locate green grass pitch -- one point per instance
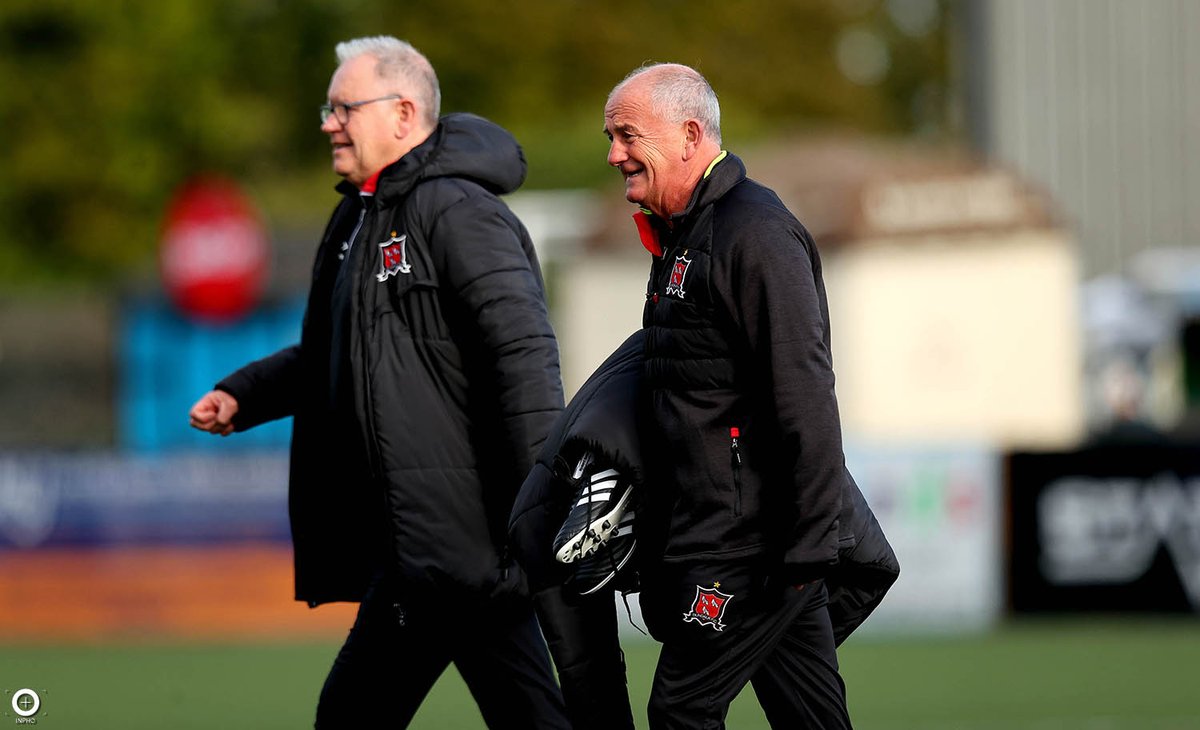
(1059, 675)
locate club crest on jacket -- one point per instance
(678, 274)
(395, 259)
(708, 607)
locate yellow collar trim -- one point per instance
(717, 159)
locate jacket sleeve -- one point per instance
(772, 288)
(265, 389)
(270, 388)
(499, 291)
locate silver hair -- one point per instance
(679, 93)
(398, 61)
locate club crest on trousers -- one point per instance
(708, 607)
(395, 258)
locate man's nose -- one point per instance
(331, 124)
(616, 153)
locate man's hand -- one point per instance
(214, 413)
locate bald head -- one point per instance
(677, 93)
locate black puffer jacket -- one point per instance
(740, 375)
(603, 418)
(453, 377)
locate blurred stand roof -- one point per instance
(851, 189)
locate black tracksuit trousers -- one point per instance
(399, 647)
(725, 624)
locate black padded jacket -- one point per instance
(452, 383)
(740, 381)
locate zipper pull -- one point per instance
(736, 459)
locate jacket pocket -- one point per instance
(735, 461)
(416, 304)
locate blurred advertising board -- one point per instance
(1106, 529)
(64, 500)
(940, 509)
(104, 546)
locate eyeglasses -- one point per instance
(342, 111)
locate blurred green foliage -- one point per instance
(110, 105)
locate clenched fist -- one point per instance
(214, 413)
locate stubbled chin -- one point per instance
(342, 162)
(633, 190)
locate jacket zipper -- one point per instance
(362, 214)
(655, 269)
(735, 459)
(373, 453)
(375, 461)
(364, 334)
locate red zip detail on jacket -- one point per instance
(736, 463)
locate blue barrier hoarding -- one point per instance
(69, 500)
(166, 362)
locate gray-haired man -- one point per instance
(740, 526)
(425, 377)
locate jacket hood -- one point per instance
(463, 146)
(475, 148)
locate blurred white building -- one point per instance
(952, 292)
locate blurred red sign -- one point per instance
(214, 251)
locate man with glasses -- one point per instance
(425, 377)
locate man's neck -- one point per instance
(703, 167)
(416, 140)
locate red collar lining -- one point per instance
(369, 185)
(647, 233)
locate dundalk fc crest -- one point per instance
(708, 607)
(395, 259)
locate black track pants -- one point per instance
(397, 650)
(723, 625)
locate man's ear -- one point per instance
(406, 118)
(693, 135)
